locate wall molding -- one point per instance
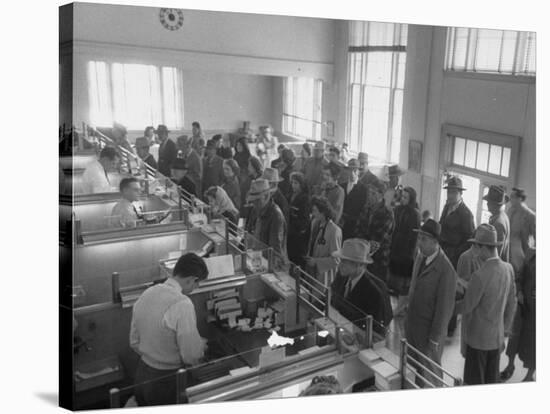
(203, 61)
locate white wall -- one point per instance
(229, 60)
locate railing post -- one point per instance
(181, 385)
(403, 362)
(114, 398)
(226, 223)
(368, 331)
(337, 338)
(327, 301)
(180, 204)
(115, 287)
(298, 295)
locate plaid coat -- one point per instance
(376, 224)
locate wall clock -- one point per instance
(171, 19)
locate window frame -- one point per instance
(520, 57)
(179, 98)
(287, 116)
(395, 50)
(451, 131)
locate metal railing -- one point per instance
(427, 372)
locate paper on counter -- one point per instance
(220, 266)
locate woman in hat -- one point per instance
(142, 148)
(231, 184)
(325, 239)
(403, 246)
(221, 204)
(299, 221)
(269, 141)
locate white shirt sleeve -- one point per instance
(182, 319)
(134, 336)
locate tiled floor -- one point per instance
(452, 360)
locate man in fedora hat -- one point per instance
(522, 239)
(431, 298)
(167, 150)
(266, 221)
(179, 173)
(193, 161)
(489, 305)
(457, 221)
(355, 291)
(496, 198)
(356, 199)
(376, 223)
(142, 148)
(272, 176)
(287, 166)
(332, 191)
(212, 172)
(313, 168)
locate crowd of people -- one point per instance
(364, 235)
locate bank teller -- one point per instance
(164, 332)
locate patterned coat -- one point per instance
(376, 224)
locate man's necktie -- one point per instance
(347, 290)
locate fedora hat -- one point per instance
(161, 128)
(430, 228)
(319, 145)
(496, 194)
(363, 156)
(142, 142)
(353, 164)
(179, 164)
(271, 175)
(355, 250)
(257, 189)
(395, 171)
(454, 182)
(485, 234)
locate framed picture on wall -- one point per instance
(415, 156)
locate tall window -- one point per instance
(376, 73)
(135, 95)
(490, 51)
(302, 107)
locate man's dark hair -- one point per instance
(323, 206)
(334, 170)
(191, 265)
(520, 193)
(109, 152)
(335, 150)
(125, 182)
(217, 137)
(196, 124)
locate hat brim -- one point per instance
(454, 187)
(339, 255)
(256, 196)
(500, 202)
(496, 244)
(433, 236)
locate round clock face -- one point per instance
(171, 19)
